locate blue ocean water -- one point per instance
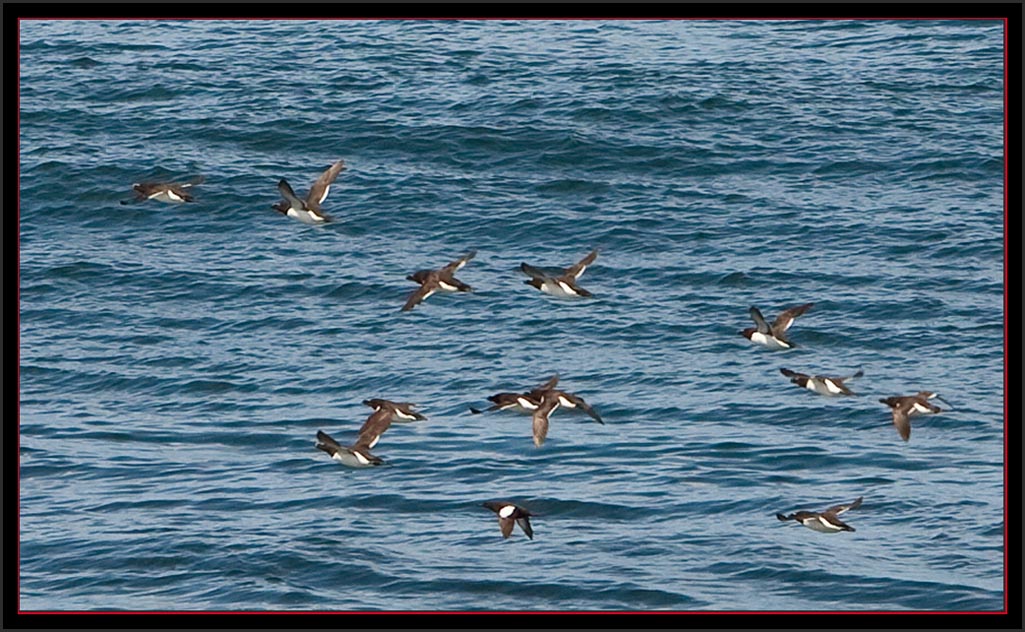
(177, 361)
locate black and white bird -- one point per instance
(385, 414)
(828, 386)
(570, 400)
(541, 402)
(442, 279)
(169, 192)
(823, 522)
(508, 514)
(308, 211)
(562, 285)
(401, 412)
(522, 402)
(773, 336)
(357, 455)
(905, 407)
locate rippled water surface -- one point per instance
(177, 361)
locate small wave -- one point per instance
(85, 62)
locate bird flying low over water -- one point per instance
(907, 406)
(828, 386)
(563, 285)
(385, 414)
(773, 336)
(401, 412)
(356, 455)
(824, 522)
(508, 514)
(432, 281)
(523, 402)
(170, 192)
(570, 400)
(541, 402)
(549, 400)
(308, 211)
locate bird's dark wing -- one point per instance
(839, 509)
(533, 272)
(456, 265)
(760, 323)
(540, 421)
(326, 443)
(374, 427)
(786, 318)
(420, 294)
(581, 404)
(578, 268)
(901, 420)
(289, 194)
(322, 186)
(524, 523)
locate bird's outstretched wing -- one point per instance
(902, 421)
(289, 194)
(578, 268)
(456, 265)
(322, 186)
(372, 429)
(524, 523)
(760, 324)
(839, 509)
(786, 318)
(326, 443)
(419, 295)
(533, 272)
(584, 406)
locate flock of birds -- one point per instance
(541, 401)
